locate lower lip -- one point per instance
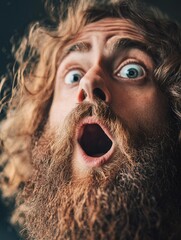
(95, 161)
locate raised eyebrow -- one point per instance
(79, 47)
(76, 47)
(126, 43)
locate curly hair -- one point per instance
(38, 57)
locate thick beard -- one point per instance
(135, 196)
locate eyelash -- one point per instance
(115, 73)
(71, 67)
(131, 62)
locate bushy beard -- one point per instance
(135, 196)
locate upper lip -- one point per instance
(95, 141)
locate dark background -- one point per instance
(15, 16)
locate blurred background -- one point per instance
(15, 16)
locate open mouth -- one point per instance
(94, 141)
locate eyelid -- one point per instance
(132, 61)
(68, 71)
(71, 67)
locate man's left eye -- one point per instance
(73, 76)
(131, 71)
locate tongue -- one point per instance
(94, 140)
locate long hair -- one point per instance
(39, 54)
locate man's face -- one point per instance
(104, 166)
(107, 60)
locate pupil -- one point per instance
(76, 78)
(132, 73)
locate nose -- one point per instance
(94, 85)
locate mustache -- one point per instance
(66, 133)
(98, 108)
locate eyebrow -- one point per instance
(127, 43)
(119, 45)
(79, 47)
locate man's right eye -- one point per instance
(73, 76)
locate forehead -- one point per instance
(109, 29)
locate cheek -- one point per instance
(148, 107)
(62, 105)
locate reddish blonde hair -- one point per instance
(38, 56)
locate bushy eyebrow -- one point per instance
(127, 43)
(79, 47)
(76, 47)
(117, 46)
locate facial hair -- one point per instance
(134, 196)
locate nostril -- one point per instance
(82, 95)
(99, 93)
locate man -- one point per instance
(93, 125)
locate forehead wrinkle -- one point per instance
(118, 27)
(107, 24)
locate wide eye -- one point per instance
(131, 71)
(73, 76)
